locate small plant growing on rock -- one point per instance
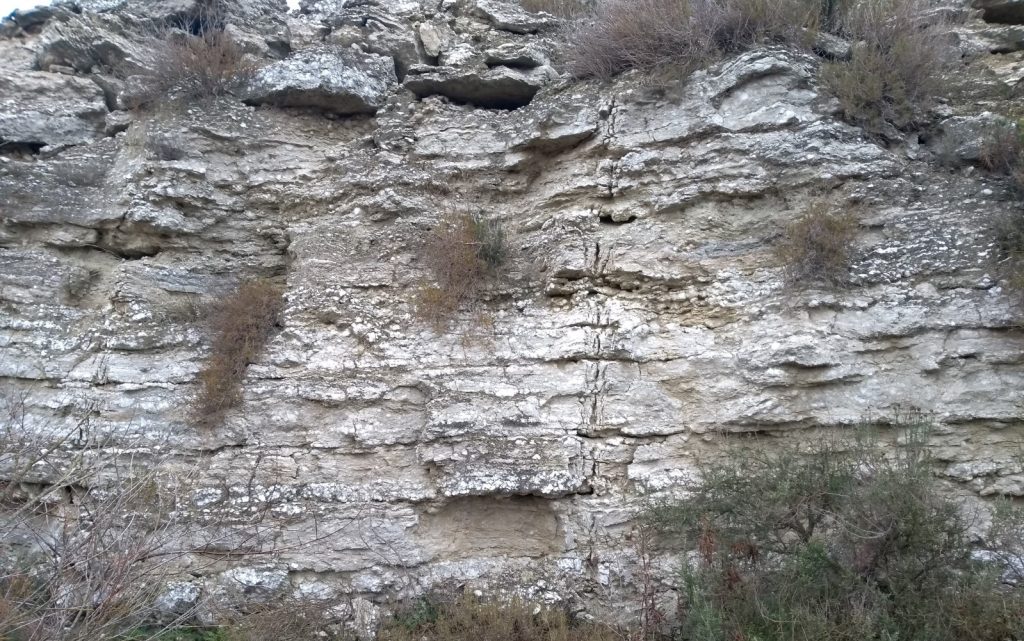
(894, 72)
(240, 327)
(462, 252)
(1002, 153)
(194, 59)
(817, 247)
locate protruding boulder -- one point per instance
(509, 16)
(496, 88)
(341, 81)
(40, 108)
(1004, 11)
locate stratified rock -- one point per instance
(509, 16)
(377, 32)
(40, 108)
(963, 138)
(331, 79)
(496, 88)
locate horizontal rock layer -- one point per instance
(641, 321)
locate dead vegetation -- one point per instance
(1002, 153)
(893, 73)
(645, 34)
(240, 326)
(463, 252)
(817, 247)
(470, 619)
(193, 59)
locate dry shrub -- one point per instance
(470, 619)
(1003, 153)
(462, 253)
(817, 247)
(644, 34)
(88, 524)
(895, 71)
(193, 58)
(287, 619)
(1009, 234)
(193, 67)
(240, 327)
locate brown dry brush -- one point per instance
(645, 34)
(95, 523)
(468, 618)
(193, 58)
(463, 252)
(898, 59)
(892, 77)
(817, 247)
(240, 326)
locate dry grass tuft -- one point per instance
(896, 67)
(1003, 153)
(194, 59)
(817, 247)
(462, 253)
(240, 327)
(469, 619)
(645, 34)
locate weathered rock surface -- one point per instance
(336, 80)
(49, 109)
(642, 320)
(500, 87)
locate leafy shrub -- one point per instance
(240, 327)
(817, 247)
(643, 34)
(845, 541)
(470, 619)
(462, 252)
(895, 70)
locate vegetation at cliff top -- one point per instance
(890, 75)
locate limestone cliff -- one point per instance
(642, 320)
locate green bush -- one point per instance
(843, 542)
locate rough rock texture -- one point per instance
(642, 320)
(333, 80)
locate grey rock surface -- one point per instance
(641, 323)
(333, 79)
(50, 109)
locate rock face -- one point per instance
(334, 80)
(642, 319)
(50, 109)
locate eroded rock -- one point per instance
(332, 79)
